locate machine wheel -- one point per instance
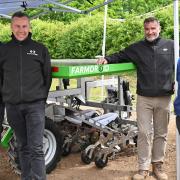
(135, 140)
(66, 149)
(100, 163)
(85, 157)
(52, 147)
(13, 156)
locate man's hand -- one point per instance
(102, 61)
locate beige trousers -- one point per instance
(152, 118)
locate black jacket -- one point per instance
(1, 78)
(155, 64)
(26, 71)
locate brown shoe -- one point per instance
(158, 171)
(141, 175)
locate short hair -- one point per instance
(19, 14)
(151, 19)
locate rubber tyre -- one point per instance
(52, 146)
(66, 149)
(99, 161)
(85, 158)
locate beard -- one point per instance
(152, 38)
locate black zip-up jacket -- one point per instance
(155, 65)
(26, 71)
(1, 78)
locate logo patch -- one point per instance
(165, 49)
(32, 52)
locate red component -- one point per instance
(55, 69)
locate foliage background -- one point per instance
(70, 35)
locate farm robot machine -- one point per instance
(74, 123)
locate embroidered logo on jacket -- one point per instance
(165, 49)
(32, 52)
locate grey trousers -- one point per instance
(28, 121)
(1, 117)
(152, 118)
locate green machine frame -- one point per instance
(60, 71)
(77, 71)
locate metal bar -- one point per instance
(72, 61)
(65, 92)
(5, 16)
(96, 7)
(64, 6)
(6, 138)
(104, 30)
(104, 44)
(98, 83)
(59, 71)
(52, 9)
(109, 106)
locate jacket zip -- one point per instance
(155, 67)
(21, 88)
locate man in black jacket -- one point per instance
(1, 117)
(154, 59)
(1, 105)
(26, 81)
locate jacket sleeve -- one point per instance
(1, 74)
(1, 84)
(126, 55)
(47, 70)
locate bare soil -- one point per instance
(122, 168)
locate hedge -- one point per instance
(83, 38)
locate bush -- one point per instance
(49, 34)
(83, 38)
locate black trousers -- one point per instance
(1, 117)
(28, 121)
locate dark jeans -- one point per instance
(28, 121)
(1, 117)
(178, 123)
